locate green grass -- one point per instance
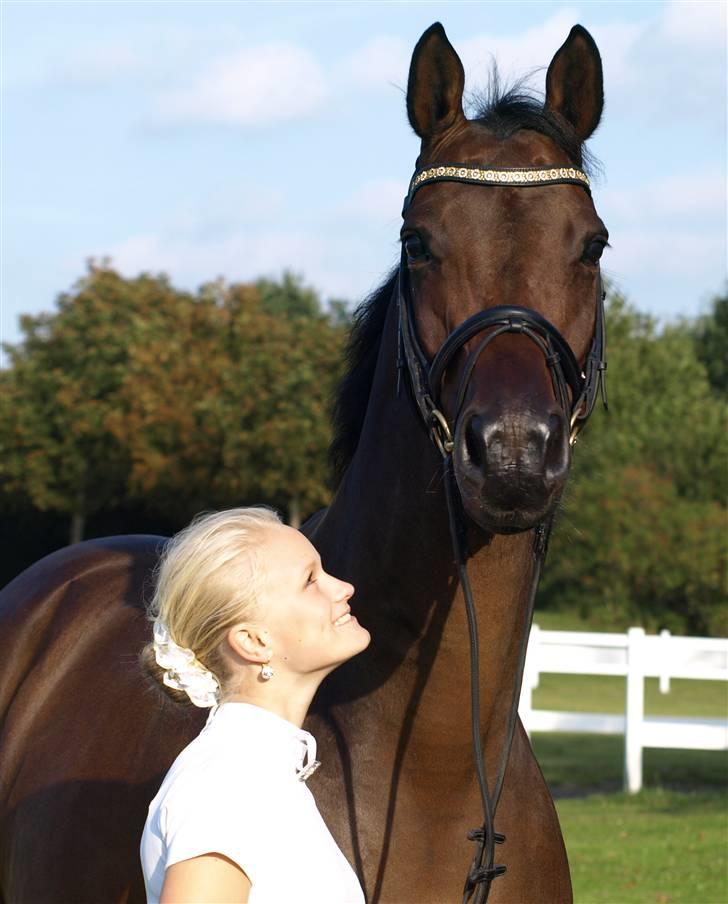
(659, 846)
(606, 693)
(665, 845)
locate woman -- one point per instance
(247, 622)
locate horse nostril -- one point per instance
(533, 445)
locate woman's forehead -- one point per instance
(288, 552)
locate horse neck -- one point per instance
(387, 531)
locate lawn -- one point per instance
(665, 845)
(606, 694)
(658, 846)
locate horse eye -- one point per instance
(415, 249)
(594, 250)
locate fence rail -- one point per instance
(634, 656)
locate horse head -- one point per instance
(511, 392)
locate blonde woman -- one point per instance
(246, 622)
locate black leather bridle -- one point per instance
(576, 391)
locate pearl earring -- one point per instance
(266, 671)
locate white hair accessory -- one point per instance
(184, 671)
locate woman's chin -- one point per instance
(357, 636)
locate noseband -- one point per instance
(576, 391)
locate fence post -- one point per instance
(634, 711)
(664, 661)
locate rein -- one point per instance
(426, 378)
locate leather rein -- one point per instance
(576, 391)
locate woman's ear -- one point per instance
(250, 642)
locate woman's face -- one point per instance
(305, 610)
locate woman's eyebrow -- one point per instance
(311, 566)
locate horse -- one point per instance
(501, 241)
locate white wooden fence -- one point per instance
(635, 656)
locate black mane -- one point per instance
(510, 108)
(504, 110)
(352, 393)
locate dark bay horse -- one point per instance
(85, 741)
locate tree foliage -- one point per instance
(232, 404)
(711, 342)
(641, 533)
(64, 382)
(133, 389)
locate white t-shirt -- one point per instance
(236, 789)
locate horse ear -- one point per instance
(435, 84)
(574, 82)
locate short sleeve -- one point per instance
(199, 821)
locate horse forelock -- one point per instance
(508, 108)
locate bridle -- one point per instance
(426, 378)
(565, 370)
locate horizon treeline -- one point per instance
(134, 405)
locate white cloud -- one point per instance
(666, 253)
(515, 54)
(221, 212)
(377, 202)
(699, 197)
(669, 229)
(698, 23)
(257, 86)
(383, 61)
(328, 259)
(669, 60)
(97, 64)
(671, 67)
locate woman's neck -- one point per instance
(283, 695)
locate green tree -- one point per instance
(167, 413)
(640, 535)
(288, 298)
(280, 360)
(232, 405)
(56, 448)
(711, 340)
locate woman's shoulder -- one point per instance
(212, 762)
(219, 762)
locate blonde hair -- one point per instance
(207, 579)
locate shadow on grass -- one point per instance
(576, 765)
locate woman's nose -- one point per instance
(347, 589)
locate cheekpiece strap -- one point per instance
(521, 176)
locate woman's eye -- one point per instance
(594, 250)
(415, 249)
(310, 580)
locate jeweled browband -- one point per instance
(522, 176)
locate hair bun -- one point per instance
(183, 671)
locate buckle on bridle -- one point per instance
(440, 429)
(574, 425)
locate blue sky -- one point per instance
(238, 139)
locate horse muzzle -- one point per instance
(511, 466)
